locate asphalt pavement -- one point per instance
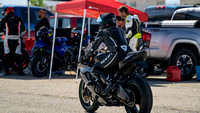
(28, 94)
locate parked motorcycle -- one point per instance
(65, 54)
(131, 90)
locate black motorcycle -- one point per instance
(131, 90)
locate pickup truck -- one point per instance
(173, 43)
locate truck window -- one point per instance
(160, 14)
(24, 15)
(51, 22)
(179, 16)
(61, 23)
(79, 23)
(94, 21)
(193, 15)
(66, 23)
(33, 15)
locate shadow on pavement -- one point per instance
(90, 112)
(154, 81)
(31, 77)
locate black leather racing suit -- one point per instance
(14, 28)
(114, 39)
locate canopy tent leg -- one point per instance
(54, 36)
(89, 28)
(28, 19)
(82, 33)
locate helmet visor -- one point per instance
(99, 19)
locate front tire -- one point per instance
(40, 65)
(87, 102)
(143, 96)
(185, 60)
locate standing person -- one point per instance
(43, 22)
(120, 23)
(13, 28)
(132, 25)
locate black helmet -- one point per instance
(107, 20)
(43, 33)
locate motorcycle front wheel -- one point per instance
(87, 102)
(40, 65)
(143, 96)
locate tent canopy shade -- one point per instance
(95, 8)
(91, 9)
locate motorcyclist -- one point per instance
(13, 27)
(114, 39)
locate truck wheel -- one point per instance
(185, 60)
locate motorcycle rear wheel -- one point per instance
(143, 96)
(87, 102)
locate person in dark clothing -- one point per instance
(114, 39)
(13, 28)
(43, 22)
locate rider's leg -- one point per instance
(108, 63)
